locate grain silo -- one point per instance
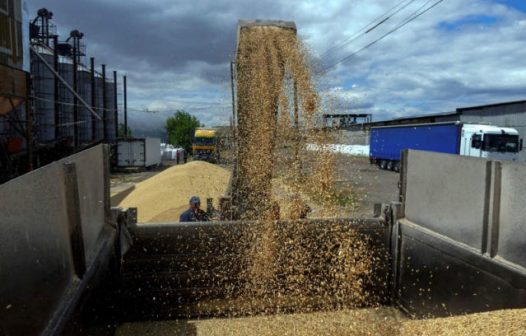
(99, 107)
(65, 120)
(44, 92)
(85, 129)
(110, 112)
(110, 108)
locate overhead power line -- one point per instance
(145, 110)
(371, 25)
(409, 19)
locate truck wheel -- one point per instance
(389, 165)
(383, 164)
(396, 166)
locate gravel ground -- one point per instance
(367, 183)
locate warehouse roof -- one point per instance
(414, 117)
(457, 112)
(490, 105)
(343, 115)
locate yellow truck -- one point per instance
(204, 145)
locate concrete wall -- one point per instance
(50, 220)
(459, 245)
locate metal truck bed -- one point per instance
(68, 263)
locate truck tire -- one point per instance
(396, 166)
(389, 165)
(383, 164)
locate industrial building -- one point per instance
(505, 114)
(53, 100)
(343, 120)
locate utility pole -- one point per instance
(75, 100)
(29, 124)
(125, 107)
(93, 99)
(115, 104)
(104, 104)
(56, 86)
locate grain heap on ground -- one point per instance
(165, 196)
(509, 322)
(361, 322)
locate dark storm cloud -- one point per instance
(145, 32)
(162, 35)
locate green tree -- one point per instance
(181, 128)
(122, 134)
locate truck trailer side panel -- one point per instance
(138, 152)
(152, 155)
(388, 142)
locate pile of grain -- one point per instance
(165, 196)
(509, 322)
(377, 321)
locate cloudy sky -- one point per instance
(176, 54)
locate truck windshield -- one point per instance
(501, 143)
(204, 141)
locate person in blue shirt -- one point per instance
(194, 212)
